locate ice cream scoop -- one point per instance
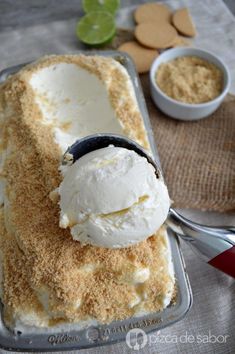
(215, 245)
(111, 197)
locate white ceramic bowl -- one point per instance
(180, 110)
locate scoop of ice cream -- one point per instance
(112, 198)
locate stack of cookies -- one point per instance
(157, 29)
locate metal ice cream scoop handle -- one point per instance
(216, 245)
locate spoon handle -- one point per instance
(216, 245)
(225, 261)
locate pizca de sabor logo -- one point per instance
(136, 339)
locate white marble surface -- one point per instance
(24, 13)
(214, 299)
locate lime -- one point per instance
(96, 28)
(100, 5)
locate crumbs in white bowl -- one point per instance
(190, 79)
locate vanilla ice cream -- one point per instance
(75, 99)
(46, 106)
(112, 198)
(75, 102)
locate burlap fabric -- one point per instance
(197, 158)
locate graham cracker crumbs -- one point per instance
(190, 79)
(114, 76)
(46, 272)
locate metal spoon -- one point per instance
(215, 245)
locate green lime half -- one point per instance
(100, 5)
(96, 28)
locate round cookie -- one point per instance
(142, 57)
(152, 12)
(182, 21)
(161, 35)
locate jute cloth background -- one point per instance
(198, 158)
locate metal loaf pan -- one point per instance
(116, 331)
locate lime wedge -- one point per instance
(101, 5)
(96, 28)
